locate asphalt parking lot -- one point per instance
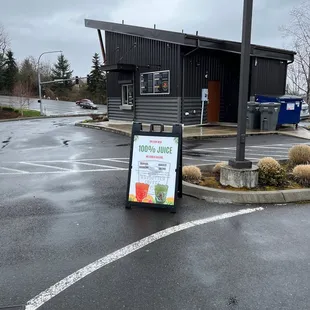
(67, 241)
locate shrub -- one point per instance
(9, 109)
(270, 172)
(191, 173)
(217, 168)
(299, 154)
(301, 174)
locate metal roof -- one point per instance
(189, 40)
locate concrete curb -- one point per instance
(124, 133)
(225, 196)
(108, 129)
(41, 117)
(255, 197)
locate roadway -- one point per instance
(62, 214)
(51, 107)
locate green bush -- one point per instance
(270, 172)
(299, 154)
(8, 109)
(301, 175)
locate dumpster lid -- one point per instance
(291, 97)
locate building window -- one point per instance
(127, 95)
(155, 83)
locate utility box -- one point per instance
(269, 113)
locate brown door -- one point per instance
(213, 110)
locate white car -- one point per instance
(304, 113)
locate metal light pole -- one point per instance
(39, 78)
(240, 162)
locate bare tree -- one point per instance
(22, 95)
(4, 41)
(297, 31)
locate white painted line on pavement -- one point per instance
(95, 165)
(117, 161)
(62, 171)
(46, 166)
(247, 150)
(227, 156)
(199, 159)
(73, 160)
(269, 147)
(14, 170)
(62, 285)
(289, 145)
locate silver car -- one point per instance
(304, 113)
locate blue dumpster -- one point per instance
(290, 108)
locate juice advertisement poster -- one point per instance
(153, 174)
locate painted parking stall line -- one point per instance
(14, 170)
(63, 166)
(253, 152)
(44, 166)
(70, 280)
(96, 165)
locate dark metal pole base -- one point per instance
(244, 164)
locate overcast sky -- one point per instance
(35, 26)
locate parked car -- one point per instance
(82, 100)
(304, 114)
(88, 105)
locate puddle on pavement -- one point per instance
(233, 301)
(6, 142)
(125, 144)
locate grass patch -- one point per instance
(30, 113)
(10, 113)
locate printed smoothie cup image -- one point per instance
(161, 193)
(141, 191)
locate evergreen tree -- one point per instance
(28, 74)
(61, 70)
(97, 81)
(2, 67)
(10, 72)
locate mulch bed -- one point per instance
(211, 179)
(8, 114)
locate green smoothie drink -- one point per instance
(161, 193)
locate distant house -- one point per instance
(158, 76)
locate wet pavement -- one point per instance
(55, 218)
(51, 107)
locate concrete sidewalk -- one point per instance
(195, 132)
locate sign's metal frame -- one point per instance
(177, 131)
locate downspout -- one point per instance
(287, 64)
(183, 73)
(102, 46)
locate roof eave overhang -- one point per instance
(190, 40)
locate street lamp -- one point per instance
(39, 78)
(240, 162)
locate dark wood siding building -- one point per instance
(157, 76)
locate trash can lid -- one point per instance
(253, 103)
(270, 104)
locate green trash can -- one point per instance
(269, 112)
(253, 115)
